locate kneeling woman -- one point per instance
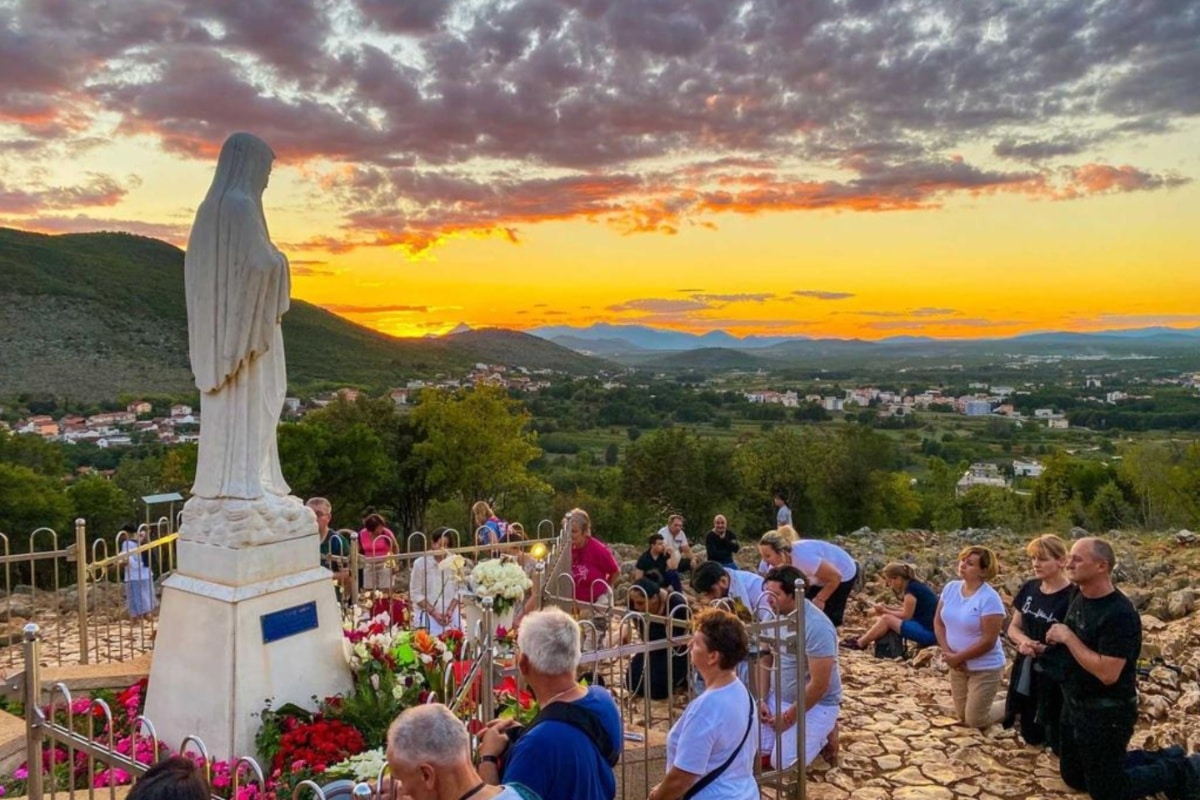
(710, 744)
(968, 620)
(913, 619)
(647, 596)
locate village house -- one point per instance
(181, 410)
(1027, 468)
(139, 407)
(111, 419)
(980, 474)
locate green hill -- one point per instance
(91, 316)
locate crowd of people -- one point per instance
(1074, 636)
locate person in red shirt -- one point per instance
(376, 539)
(592, 566)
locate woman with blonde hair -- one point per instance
(829, 571)
(967, 623)
(489, 529)
(912, 619)
(1035, 689)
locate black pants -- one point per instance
(1093, 755)
(659, 682)
(835, 606)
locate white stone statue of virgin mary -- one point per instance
(238, 289)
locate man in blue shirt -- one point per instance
(557, 759)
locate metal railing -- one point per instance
(616, 635)
(46, 736)
(79, 598)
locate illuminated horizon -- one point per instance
(745, 167)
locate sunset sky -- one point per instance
(866, 168)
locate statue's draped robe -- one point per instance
(238, 288)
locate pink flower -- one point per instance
(22, 772)
(112, 777)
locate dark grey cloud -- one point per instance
(816, 294)
(100, 190)
(493, 114)
(658, 305)
(737, 297)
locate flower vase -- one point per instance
(472, 615)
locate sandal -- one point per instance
(851, 643)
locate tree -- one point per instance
(102, 505)
(674, 471)
(29, 501)
(45, 458)
(477, 444)
(780, 460)
(1109, 509)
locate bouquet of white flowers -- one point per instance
(501, 579)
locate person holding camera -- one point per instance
(570, 748)
(429, 757)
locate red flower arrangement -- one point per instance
(314, 746)
(396, 608)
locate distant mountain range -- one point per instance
(93, 316)
(609, 339)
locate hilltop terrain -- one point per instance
(899, 740)
(92, 316)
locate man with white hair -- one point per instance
(429, 754)
(569, 750)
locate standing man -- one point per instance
(822, 695)
(334, 547)
(1103, 634)
(721, 543)
(570, 748)
(783, 514)
(676, 540)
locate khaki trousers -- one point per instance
(973, 694)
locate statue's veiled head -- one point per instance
(244, 165)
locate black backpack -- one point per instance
(583, 719)
(890, 645)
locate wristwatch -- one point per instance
(490, 760)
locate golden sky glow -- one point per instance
(691, 168)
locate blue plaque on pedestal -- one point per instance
(288, 622)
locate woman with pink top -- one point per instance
(592, 564)
(375, 539)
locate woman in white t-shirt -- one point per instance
(434, 591)
(711, 742)
(967, 623)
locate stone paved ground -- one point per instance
(898, 741)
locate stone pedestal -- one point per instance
(249, 615)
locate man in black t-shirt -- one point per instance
(1103, 633)
(657, 559)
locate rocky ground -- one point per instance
(899, 739)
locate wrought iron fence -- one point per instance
(615, 639)
(77, 595)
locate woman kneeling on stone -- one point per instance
(967, 623)
(913, 619)
(1035, 695)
